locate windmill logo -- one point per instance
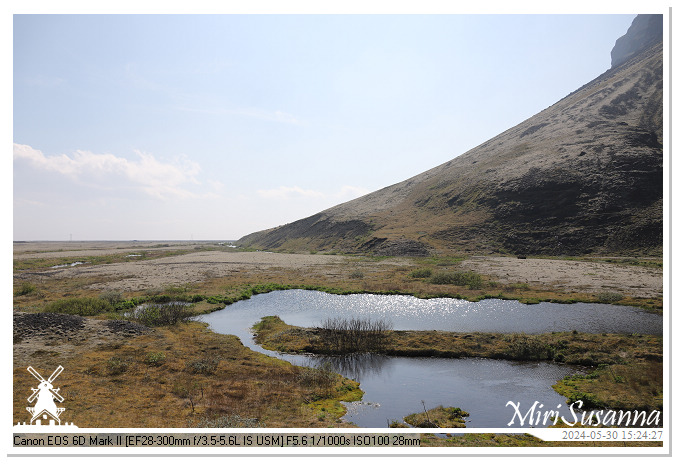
(45, 408)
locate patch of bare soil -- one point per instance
(46, 335)
(189, 268)
(200, 266)
(567, 275)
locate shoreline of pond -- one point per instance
(547, 297)
(614, 360)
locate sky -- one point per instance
(210, 127)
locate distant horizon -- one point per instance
(203, 125)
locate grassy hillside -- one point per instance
(582, 176)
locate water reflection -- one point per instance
(357, 366)
(395, 387)
(310, 308)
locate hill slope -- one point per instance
(582, 176)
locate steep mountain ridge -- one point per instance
(582, 176)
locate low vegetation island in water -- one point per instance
(627, 368)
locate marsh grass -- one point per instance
(113, 297)
(568, 347)
(26, 288)
(205, 365)
(469, 279)
(86, 306)
(421, 273)
(320, 379)
(357, 274)
(635, 385)
(116, 365)
(529, 348)
(118, 378)
(633, 363)
(155, 314)
(342, 335)
(156, 358)
(609, 297)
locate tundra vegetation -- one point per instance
(183, 375)
(180, 374)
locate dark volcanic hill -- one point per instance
(583, 176)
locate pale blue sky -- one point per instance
(212, 127)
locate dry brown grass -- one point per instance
(115, 386)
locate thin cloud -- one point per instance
(156, 178)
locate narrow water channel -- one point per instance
(395, 387)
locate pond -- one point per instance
(57, 266)
(395, 386)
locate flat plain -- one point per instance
(186, 375)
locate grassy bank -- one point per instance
(183, 375)
(628, 371)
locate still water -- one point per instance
(396, 386)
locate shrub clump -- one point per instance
(354, 335)
(79, 306)
(154, 314)
(26, 288)
(112, 296)
(205, 366)
(525, 347)
(469, 279)
(421, 273)
(319, 377)
(155, 358)
(117, 365)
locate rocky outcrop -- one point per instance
(583, 176)
(645, 31)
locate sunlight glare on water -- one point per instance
(395, 387)
(310, 308)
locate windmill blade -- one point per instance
(34, 395)
(35, 373)
(57, 395)
(55, 374)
